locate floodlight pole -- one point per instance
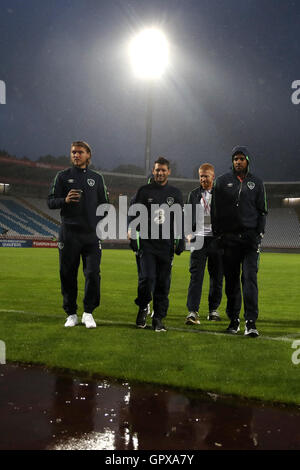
(148, 129)
(149, 52)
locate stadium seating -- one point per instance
(13, 226)
(23, 220)
(282, 229)
(31, 218)
(41, 206)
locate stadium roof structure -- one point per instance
(283, 188)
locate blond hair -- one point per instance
(207, 167)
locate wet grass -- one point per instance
(185, 357)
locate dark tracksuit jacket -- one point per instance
(156, 255)
(210, 254)
(77, 235)
(239, 212)
(239, 207)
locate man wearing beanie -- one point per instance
(239, 212)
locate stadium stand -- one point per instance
(40, 205)
(24, 212)
(22, 220)
(31, 218)
(282, 229)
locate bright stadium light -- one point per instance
(149, 53)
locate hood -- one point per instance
(240, 149)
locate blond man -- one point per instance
(208, 254)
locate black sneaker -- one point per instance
(141, 317)
(250, 329)
(213, 316)
(234, 326)
(157, 325)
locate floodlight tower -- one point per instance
(149, 53)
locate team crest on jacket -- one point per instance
(251, 185)
(170, 201)
(91, 182)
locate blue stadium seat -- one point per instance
(12, 225)
(35, 223)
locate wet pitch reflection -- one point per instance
(42, 409)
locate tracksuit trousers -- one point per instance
(198, 259)
(154, 281)
(75, 243)
(241, 257)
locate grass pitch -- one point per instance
(200, 357)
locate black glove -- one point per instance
(259, 238)
(133, 245)
(179, 246)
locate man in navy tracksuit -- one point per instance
(77, 192)
(156, 247)
(239, 212)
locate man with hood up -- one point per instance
(239, 212)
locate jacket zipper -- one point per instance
(239, 194)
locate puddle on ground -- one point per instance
(42, 409)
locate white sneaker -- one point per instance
(192, 319)
(72, 320)
(250, 329)
(88, 320)
(213, 316)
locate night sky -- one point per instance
(67, 74)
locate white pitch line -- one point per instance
(289, 338)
